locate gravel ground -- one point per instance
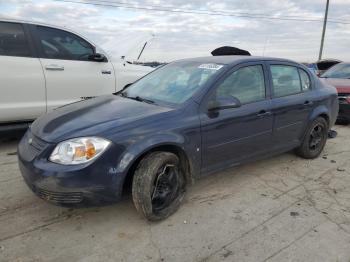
(280, 209)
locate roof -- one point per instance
(14, 20)
(232, 59)
(33, 22)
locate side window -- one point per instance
(59, 44)
(305, 80)
(13, 41)
(285, 80)
(247, 84)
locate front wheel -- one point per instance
(314, 140)
(158, 186)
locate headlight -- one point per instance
(78, 150)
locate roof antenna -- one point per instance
(267, 41)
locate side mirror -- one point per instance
(97, 57)
(222, 103)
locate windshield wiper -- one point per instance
(141, 99)
(137, 98)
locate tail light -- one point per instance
(344, 98)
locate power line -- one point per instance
(192, 11)
(214, 11)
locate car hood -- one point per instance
(342, 85)
(93, 117)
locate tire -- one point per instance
(315, 139)
(158, 186)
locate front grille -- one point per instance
(59, 197)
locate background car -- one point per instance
(185, 120)
(322, 66)
(43, 67)
(339, 77)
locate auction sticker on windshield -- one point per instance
(210, 66)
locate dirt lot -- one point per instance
(280, 209)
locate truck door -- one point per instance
(70, 73)
(22, 86)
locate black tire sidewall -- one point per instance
(143, 182)
(304, 150)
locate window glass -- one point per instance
(247, 84)
(285, 80)
(59, 44)
(173, 83)
(341, 70)
(13, 41)
(305, 80)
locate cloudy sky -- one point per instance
(192, 29)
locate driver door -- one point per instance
(230, 136)
(70, 75)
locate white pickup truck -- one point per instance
(43, 67)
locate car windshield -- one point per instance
(173, 83)
(338, 71)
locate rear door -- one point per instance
(22, 87)
(292, 102)
(70, 75)
(233, 135)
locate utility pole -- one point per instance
(324, 30)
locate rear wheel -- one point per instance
(158, 186)
(314, 140)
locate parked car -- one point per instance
(185, 120)
(322, 66)
(43, 67)
(339, 77)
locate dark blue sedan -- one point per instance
(185, 120)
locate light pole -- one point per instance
(323, 31)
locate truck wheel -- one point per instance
(158, 186)
(314, 140)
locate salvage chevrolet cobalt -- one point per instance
(184, 120)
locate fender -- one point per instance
(316, 112)
(139, 148)
(319, 110)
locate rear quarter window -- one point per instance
(305, 80)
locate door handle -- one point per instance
(54, 68)
(263, 113)
(308, 103)
(106, 72)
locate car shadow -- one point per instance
(11, 136)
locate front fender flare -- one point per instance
(139, 148)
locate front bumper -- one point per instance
(94, 182)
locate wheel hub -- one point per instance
(166, 187)
(316, 137)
